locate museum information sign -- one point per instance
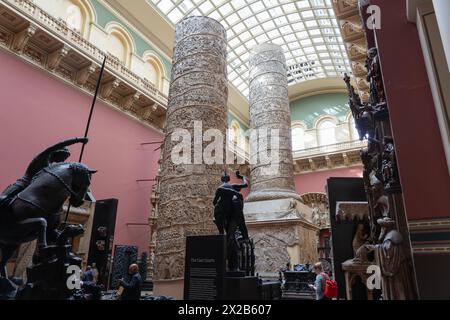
(204, 267)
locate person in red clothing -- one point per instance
(320, 283)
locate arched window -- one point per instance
(154, 70)
(298, 138)
(152, 73)
(74, 18)
(327, 132)
(116, 47)
(77, 14)
(235, 133)
(120, 43)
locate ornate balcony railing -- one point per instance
(73, 39)
(239, 152)
(328, 149)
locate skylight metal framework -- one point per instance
(307, 30)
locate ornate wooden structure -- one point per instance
(381, 179)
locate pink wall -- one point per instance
(38, 111)
(423, 170)
(316, 181)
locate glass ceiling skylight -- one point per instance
(306, 29)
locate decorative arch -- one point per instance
(298, 123)
(314, 197)
(155, 68)
(117, 34)
(90, 15)
(325, 118)
(78, 14)
(326, 130)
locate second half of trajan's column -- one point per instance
(197, 102)
(272, 172)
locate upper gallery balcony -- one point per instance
(71, 54)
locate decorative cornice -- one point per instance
(282, 223)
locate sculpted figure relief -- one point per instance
(359, 239)
(389, 164)
(390, 256)
(362, 113)
(374, 77)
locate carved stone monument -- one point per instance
(278, 220)
(269, 110)
(198, 93)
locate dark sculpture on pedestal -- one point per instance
(362, 113)
(375, 78)
(30, 209)
(229, 218)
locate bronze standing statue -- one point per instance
(31, 207)
(229, 216)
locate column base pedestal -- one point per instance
(169, 288)
(283, 233)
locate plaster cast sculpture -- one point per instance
(269, 110)
(198, 95)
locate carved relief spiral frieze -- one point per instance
(198, 92)
(269, 109)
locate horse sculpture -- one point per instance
(35, 212)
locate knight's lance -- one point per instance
(88, 125)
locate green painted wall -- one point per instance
(104, 16)
(231, 117)
(311, 108)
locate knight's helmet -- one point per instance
(226, 177)
(60, 155)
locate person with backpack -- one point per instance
(326, 289)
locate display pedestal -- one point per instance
(241, 288)
(282, 232)
(47, 278)
(297, 285)
(7, 289)
(169, 288)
